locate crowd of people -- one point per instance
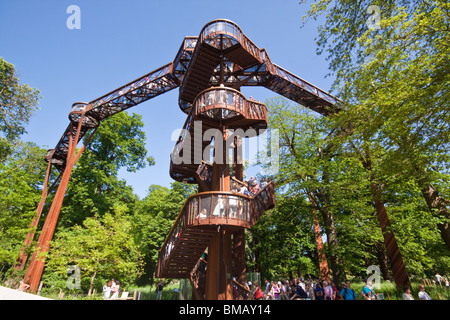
(111, 290)
(251, 187)
(299, 289)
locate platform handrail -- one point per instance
(229, 28)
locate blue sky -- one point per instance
(121, 40)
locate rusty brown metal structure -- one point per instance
(207, 242)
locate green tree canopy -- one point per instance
(118, 143)
(21, 178)
(101, 246)
(17, 103)
(393, 80)
(153, 219)
(317, 173)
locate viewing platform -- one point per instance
(219, 38)
(214, 107)
(230, 108)
(198, 220)
(194, 69)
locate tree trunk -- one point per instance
(257, 255)
(438, 206)
(323, 263)
(398, 267)
(337, 265)
(401, 277)
(333, 248)
(332, 239)
(383, 260)
(91, 285)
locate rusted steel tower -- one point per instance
(214, 220)
(209, 71)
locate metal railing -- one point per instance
(78, 111)
(218, 104)
(133, 93)
(217, 208)
(242, 292)
(299, 82)
(230, 103)
(227, 100)
(144, 81)
(230, 29)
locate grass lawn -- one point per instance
(392, 293)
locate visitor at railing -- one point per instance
(79, 107)
(233, 207)
(256, 188)
(244, 189)
(253, 186)
(263, 182)
(250, 187)
(241, 291)
(225, 206)
(203, 214)
(219, 208)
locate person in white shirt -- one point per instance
(263, 182)
(438, 278)
(244, 190)
(422, 294)
(218, 210)
(407, 294)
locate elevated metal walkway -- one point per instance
(194, 69)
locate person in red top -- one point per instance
(257, 293)
(335, 291)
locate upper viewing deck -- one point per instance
(217, 106)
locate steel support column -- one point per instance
(36, 266)
(22, 259)
(218, 273)
(240, 268)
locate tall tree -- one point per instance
(101, 246)
(393, 78)
(305, 169)
(21, 178)
(17, 103)
(118, 143)
(342, 183)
